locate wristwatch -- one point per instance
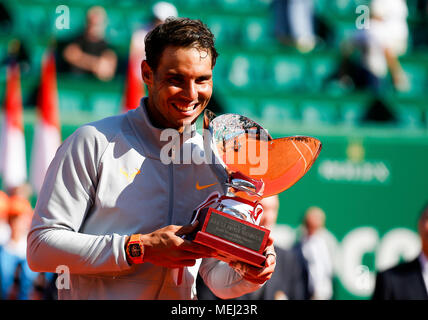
(135, 249)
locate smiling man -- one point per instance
(181, 87)
(114, 214)
(178, 74)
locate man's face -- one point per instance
(180, 88)
(95, 24)
(270, 211)
(314, 220)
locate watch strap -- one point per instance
(135, 249)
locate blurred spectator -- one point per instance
(393, 14)
(4, 225)
(16, 277)
(294, 23)
(17, 52)
(371, 53)
(314, 250)
(89, 53)
(289, 281)
(408, 280)
(160, 11)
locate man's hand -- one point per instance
(165, 247)
(254, 274)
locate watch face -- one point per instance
(135, 250)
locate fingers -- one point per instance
(269, 242)
(167, 248)
(259, 275)
(254, 274)
(270, 260)
(204, 251)
(270, 254)
(187, 245)
(188, 228)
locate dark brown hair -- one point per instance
(179, 32)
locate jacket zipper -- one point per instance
(171, 193)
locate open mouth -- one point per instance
(185, 108)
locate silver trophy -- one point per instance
(250, 165)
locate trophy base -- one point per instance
(228, 251)
(234, 239)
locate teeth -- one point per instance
(184, 108)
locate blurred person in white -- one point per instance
(89, 53)
(294, 23)
(390, 23)
(4, 225)
(314, 249)
(407, 280)
(16, 277)
(374, 51)
(393, 14)
(160, 12)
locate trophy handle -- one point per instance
(241, 182)
(208, 117)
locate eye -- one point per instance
(203, 79)
(175, 80)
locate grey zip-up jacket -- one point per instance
(106, 182)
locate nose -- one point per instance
(190, 91)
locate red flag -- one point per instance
(13, 166)
(47, 136)
(48, 95)
(134, 90)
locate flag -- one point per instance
(134, 88)
(47, 136)
(13, 165)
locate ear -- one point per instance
(146, 73)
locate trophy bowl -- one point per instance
(250, 165)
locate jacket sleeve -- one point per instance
(64, 202)
(223, 281)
